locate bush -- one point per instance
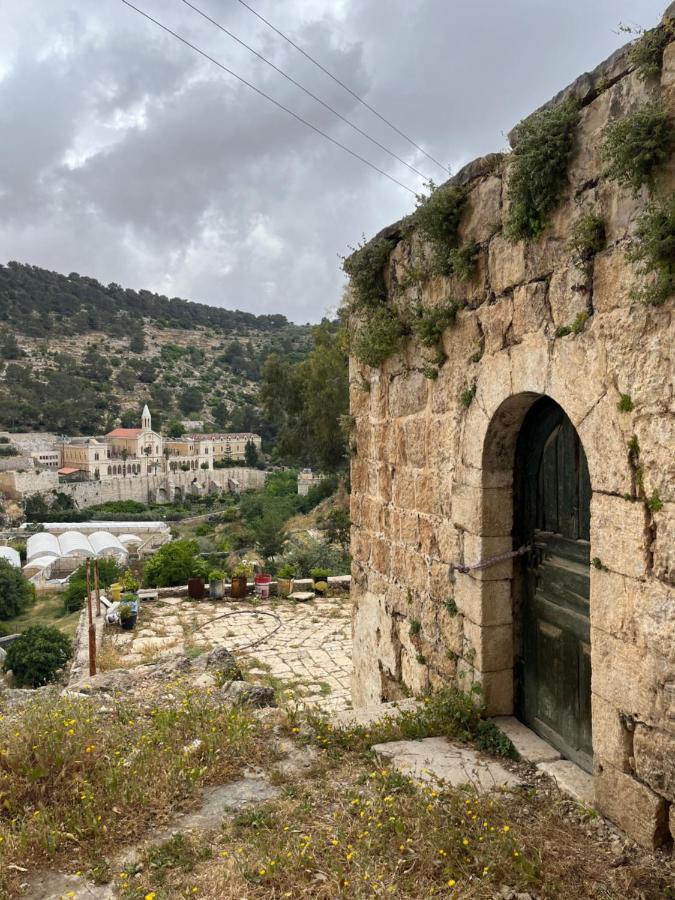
(543, 147)
(654, 250)
(317, 554)
(16, 592)
(37, 655)
(378, 337)
(430, 324)
(587, 237)
(172, 565)
(437, 219)
(647, 52)
(636, 145)
(463, 261)
(76, 592)
(365, 268)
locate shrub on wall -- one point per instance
(378, 336)
(647, 52)
(654, 250)
(430, 324)
(37, 655)
(437, 219)
(587, 237)
(637, 144)
(365, 268)
(542, 148)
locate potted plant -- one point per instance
(128, 612)
(240, 576)
(321, 587)
(285, 577)
(216, 584)
(319, 575)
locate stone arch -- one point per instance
(162, 495)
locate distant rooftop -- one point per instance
(218, 436)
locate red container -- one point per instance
(262, 585)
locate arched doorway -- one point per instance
(551, 587)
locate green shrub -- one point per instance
(625, 403)
(575, 328)
(76, 592)
(37, 655)
(636, 145)
(378, 337)
(655, 503)
(647, 52)
(365, 268)
(437, 219)
(463, 261)
(430, 324)
(173, 564)
(543, 147)
(467, 395)
(16, 592)
(587, 237)
(415, 627)
(654, 250)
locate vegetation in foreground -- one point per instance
(81, 784)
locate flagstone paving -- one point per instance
(304, 649)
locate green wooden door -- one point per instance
(554, 492)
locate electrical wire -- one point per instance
(344, 86)
(309, 93)
(262, 93)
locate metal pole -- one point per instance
(92, 627)
(97, 588)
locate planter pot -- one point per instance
(285, 586)
(239, 587)
(217, 589)
(262, 586)
(129, 623)
(195, 588)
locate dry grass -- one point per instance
(77, 777)
(357, 833)
(108, 657)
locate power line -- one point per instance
(267, 97)
(303, 88)
(343, 85)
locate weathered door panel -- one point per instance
(553, 515)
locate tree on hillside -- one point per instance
(137, 342)
(307, 400)
(250, 454)
(16, 592)
(191, 401)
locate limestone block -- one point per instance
(366, 682)
(627, 676)
(496, 687)
(439, 582)
(426, 496)
(403, 488)
(655, 619)
(484, 602)
(427, 535)
(635, 808)
(620, 208)
(578, 368)
(476, 424)
(530, 310)
(480, 547)
(447, 538)
(415, 436)
(384, 481)
(568, 294)
(530, 362)
(506, 264)
(380, 557)
(604, 438)
(495, 320)
(494, 382)
(656, 436)
(664, 545)
(359, 476)
(613, 279)
(379, 397)
(461, 341)
(359, 399)
(618, 536)
(611, 739)
(408, 533)
(613, 603)
(654, 752)
(482, 213)
(493, 646)
(408, 394)
(488, 512)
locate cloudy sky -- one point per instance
(126, 156)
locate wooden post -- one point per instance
(97, 588)
(92, 627)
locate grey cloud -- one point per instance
(125, 156)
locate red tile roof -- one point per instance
(125, 432)
(68, 470)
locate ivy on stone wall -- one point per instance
(543, 145)
(636, 145)
(653, 249)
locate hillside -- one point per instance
(112, 350)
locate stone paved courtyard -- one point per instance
(309, 655)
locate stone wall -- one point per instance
(432, 480)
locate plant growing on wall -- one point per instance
(429, 324)
(543, 145)
(378, 336)
(365, 268)
(437, 219)
(647, 52)
(653, 250)
(463, 261)
(636, 145)
(587, 237)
